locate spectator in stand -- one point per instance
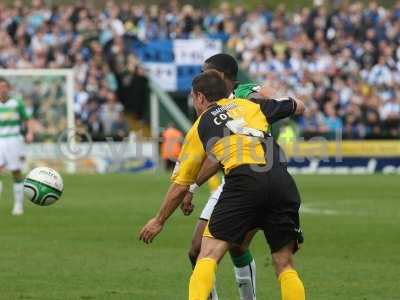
(390, 113)
(353, 128)
(95, 128)
(120, 128)
(312, 123)
(110, 112)
(332, 122)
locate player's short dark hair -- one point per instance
(211, 84)
(224, 63)
(3, 79)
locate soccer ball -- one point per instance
(43, 186)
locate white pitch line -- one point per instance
(307, 209)
(317, 211)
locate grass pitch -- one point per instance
(86, 246)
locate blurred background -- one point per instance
(133, 63)
(107, 84)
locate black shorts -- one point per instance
(268, 201)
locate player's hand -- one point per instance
(269, 91)
(187, 206)
(29, 137)
(150, 230)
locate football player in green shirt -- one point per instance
(13, 117)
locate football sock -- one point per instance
(214, 294)
(18, 188)
(291, 286)
(1, 187)
(202, 279)
(245, 273)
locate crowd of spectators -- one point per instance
(342, 59)
(345, 62)
(109, 78)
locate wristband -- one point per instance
(193, 187)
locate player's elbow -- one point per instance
(300, 107)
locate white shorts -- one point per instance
(12, 153)
(212, 201)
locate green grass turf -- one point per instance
(86, 247)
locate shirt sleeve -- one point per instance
(190, 158)
(275, 110)
(244, 91)
(22, 111)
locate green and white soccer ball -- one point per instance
(43, 186)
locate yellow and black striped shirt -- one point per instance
(232, 130)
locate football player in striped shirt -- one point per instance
(13, 116)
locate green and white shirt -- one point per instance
(12, 116)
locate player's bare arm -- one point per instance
(268, 91)
(191, 159)
(209, 168)
(171, 202)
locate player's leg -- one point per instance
(199, 230)
(202, 224)
(245, 268)
(244, 264)
(233, 228)
(203, 276)
(18, 189)
(282, 231)
(15, 162)
(195, 246)
(232, 219)
(292, 287)
(195, 250)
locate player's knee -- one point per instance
(283, 259)
(213, 248)
(282, 263)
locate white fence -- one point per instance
(99, 157)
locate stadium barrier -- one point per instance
(99, 157)
(343, 157)
(306, 157)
